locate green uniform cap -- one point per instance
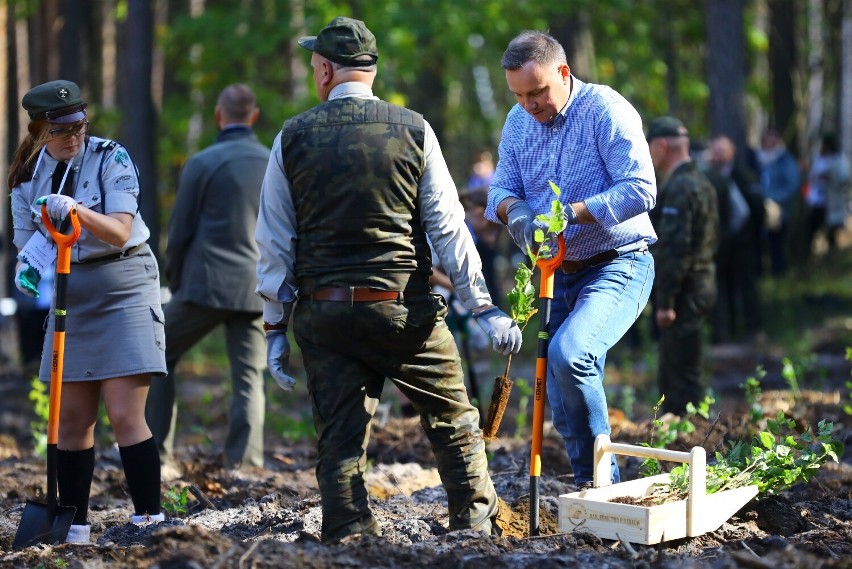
(344, 41)
(56, 101)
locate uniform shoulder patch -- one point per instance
(122, 158)
(106, 145)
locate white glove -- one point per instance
(278, 358)
(26, 279)
(58, 205)
(504, 332)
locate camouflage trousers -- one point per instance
(349, 349)
(681, 352)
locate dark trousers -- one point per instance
(681, 351)
(186, 325)
(349, 349)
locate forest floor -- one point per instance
(271, 517)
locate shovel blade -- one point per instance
(43, 523)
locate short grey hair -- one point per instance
(540, 47)
(337, 66)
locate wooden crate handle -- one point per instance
(696, 459)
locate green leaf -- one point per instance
(766, 439)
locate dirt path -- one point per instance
(271, 517)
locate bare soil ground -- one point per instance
(271, 517)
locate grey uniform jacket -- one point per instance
(212, 254)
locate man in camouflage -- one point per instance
(686, 220)
(352, 189)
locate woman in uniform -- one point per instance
(115, 336)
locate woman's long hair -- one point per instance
(21, 169)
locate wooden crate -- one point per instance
(697, 514)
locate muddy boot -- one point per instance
(365, 526)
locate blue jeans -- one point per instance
(591, 310)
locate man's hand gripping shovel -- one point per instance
(49, 522)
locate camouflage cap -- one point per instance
(55, 101)
(663, 127)
(344, 41)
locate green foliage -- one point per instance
(663, 435)
(847, 406)
(57, 563)
(752, 394)
(292, 429)
(523, 404)
(41, 406)
(775, 460)
(175, 500)
(522, 297)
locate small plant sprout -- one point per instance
(752, 389)
(175, 500)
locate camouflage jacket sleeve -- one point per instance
(686, 222)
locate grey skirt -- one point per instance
(114, 322)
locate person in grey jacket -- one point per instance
(211, 259)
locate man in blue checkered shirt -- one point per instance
(588, 140)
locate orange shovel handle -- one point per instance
(63, 242)
(63, 268)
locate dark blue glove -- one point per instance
(520, 219)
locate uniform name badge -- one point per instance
(39, 253)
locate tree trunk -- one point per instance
(846, 81)
(816, 70)
(74, 15)
(782, 61)
(726, 69)
(7, 116)
(109, 55)
(574, 33)
(138, 118)
(43, 39)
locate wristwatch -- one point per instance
(279, 326)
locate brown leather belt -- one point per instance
(354, 294)
(571, 267)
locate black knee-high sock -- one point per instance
(74, 471)
(142, 469)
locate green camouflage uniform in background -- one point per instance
(686, 220)
(354, 165)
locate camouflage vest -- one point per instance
(353, 166)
